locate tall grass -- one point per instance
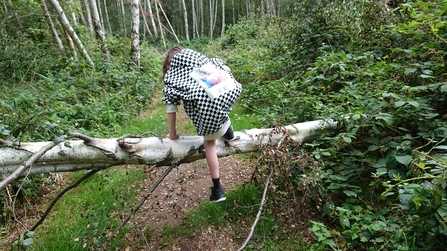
(86, 216)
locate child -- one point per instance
(209, 115)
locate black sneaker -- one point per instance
(229, 135)
(217, 195)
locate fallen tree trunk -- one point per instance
(99, 153)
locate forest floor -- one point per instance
(184, 189)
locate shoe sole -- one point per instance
(219, 200)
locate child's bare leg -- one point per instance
(211, 158)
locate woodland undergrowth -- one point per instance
(377, 183)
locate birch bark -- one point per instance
(89, 15)
(107, 17)
(67, 27)
(185, 16)
(159, 23)
(52, 27)
(151, 15)
(222, 32)
(99, 30)
(135, 34)
(102, 153)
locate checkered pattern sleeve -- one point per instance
(206, 114)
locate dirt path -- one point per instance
(184, 189)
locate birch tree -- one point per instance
(123, 16)
(101, 16)
(271, 8)
(233, 12)
(169, 23)
(146, 26)
(159, 23)
(107, 17)
(81, 13)
(95, 153)
(71, 45)
(223, 19)
(52, 27)
(202, 22)
(151, 15)
(135, 34)
(211, 15)
(195, 31)
(89, 15)
(99, 31)
(67, 27)
(185, 15)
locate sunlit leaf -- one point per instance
(408, 71)
(350, 193)
(405, 160)
(413, 103)
(399, 103)
(344, 221)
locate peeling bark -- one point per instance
(99, 153)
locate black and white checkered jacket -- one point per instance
(206, 114)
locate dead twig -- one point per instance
(140, 203)
(75, 184)
(259, 211)
(286, 135)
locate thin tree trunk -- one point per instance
(154, 26)
(135, 34)
(5, 17)
(211, 30)
(234, 12)
(272, 10)
(247, 7)
(123, 18)
(73, 14)
(195, 25)
(70, 31)
(143, 13)
(81, 13)
(107, 17)
(52, 27)
(169, 23)
(89, 15)
(262, 7)
(202, 22)
(185, 15)
(215, 14)
(99, 31)
(222, 32)
(71, 45)
(101, 16)
(159, 23)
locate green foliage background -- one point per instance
(381, 73)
